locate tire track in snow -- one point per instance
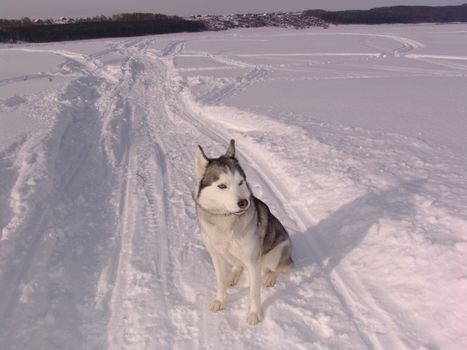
(48, 190)
(407, 43)
(125, 232)
(260, 72)
(147, 296)
(131, 281)
(74, 63)
(256, 73)
(238, 85)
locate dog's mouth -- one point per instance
(241, 212)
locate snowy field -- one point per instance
(354, 135)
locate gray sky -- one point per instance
(76, 8)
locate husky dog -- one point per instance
(238, 228)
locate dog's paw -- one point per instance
(253, 318)
(216, 305)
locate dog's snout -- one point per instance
(242, 203)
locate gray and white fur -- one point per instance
(238, 229)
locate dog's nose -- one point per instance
(242, 203)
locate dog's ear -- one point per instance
(231, 150)
(201, 162)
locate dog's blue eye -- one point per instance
(222, 186)
(240, 183)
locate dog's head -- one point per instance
(221, 186)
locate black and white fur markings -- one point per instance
(238, 229)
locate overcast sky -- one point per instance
(76, 8)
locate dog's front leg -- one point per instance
(220, 266)
(254, 313)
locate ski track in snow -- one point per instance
(99, 245)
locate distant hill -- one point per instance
(134, 24)
(394, 14)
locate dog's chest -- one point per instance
(217, 236)
(227, 238)
(218, 242)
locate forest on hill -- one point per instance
(394, 14)
(122, 25)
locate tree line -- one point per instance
(394, 14)
(121, 25)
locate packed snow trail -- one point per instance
(100, 247)
(162, 206)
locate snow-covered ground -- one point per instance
(353, 135)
